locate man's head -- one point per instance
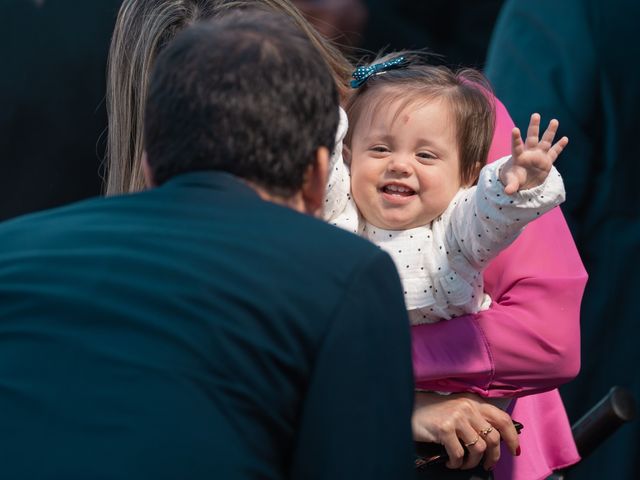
(247, 94)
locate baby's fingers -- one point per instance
(517, 146)
(557, 149)
(533, 131)
(549, 134)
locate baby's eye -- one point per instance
(426, 157)
(379, 149)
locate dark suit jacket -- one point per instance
(196, 331)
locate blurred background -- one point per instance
(576, 60)
(52, 114)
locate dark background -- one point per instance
(52, 113)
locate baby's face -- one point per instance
(405, 167)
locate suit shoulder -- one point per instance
(328, 240)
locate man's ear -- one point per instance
(346, 155)
(147, 172)
(315, 182)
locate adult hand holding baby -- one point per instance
(463, 419)
(531, 160)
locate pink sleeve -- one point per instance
(529, 340)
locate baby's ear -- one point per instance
(346, 155)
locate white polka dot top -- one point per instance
(441, 264)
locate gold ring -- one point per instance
(486, 431)
(471, 444)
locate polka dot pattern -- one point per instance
(440, 264)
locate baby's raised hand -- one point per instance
(531, 160)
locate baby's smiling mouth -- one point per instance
(396, 189)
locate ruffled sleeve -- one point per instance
(339, 208)
(483, 220)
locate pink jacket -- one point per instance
(525, 345)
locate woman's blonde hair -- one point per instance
(143, 28)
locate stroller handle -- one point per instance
(615, 409)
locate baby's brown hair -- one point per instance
(466, 91)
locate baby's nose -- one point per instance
(398, 166)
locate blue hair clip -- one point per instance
(362, 74)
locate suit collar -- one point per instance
(212, 179)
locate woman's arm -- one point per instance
(528, 341)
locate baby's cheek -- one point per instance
(357, 188)
(361, 192)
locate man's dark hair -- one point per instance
(247, 94)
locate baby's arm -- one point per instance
(531, 161)
(487, 218)
(540, 277)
